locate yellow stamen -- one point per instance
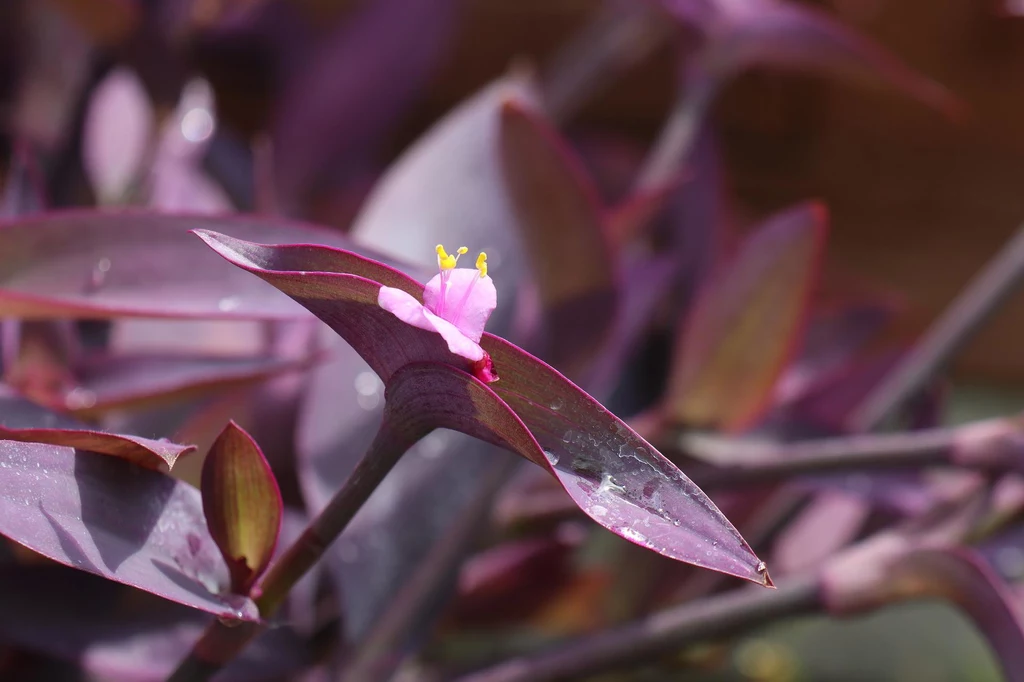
(481, 264)
(446, 261)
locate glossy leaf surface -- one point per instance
(613, 474)
(23, 421)
(109, 517)
(100, 264)
(242, 504)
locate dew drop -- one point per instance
(557, 404)
(631, 534)
(229, 303)
(552, 457)
(567, 437)
(598, 510)
(608, 485)
(197, 125)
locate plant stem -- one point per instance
(964, 316)
(658, 634)
(222, 641)
(665, 160)
(980, 446)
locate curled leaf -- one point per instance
(26, 422)
(242, 504)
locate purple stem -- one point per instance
(660, 633)
(620, 35)
(222, 641)
(980, 447)
(964, 316)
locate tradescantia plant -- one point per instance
(242, 447)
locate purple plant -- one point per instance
(238, 446)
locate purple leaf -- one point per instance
(25, 422)
(510, 581)
(177, 181)
(117, 520)
(792, 36)
(128, 635)
(835, 397)
(559, 213)
(613, 474)
(628, 219)
(747, 323)
(833, 337)
(242, 504)
(137, 263)
(449, 188)
(830, 522)
(134, 381)
(336, 108)
(888, 571)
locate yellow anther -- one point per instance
(481, 264)
(446, 261)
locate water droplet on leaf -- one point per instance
(229, 303)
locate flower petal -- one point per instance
(480, 300)
(409, 310)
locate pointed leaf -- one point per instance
(559, 215)
(614, 476)
(747, 323)
(110, 517)
(26, 422)
(99, 264)
(242, 504)
(612, 473)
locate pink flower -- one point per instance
(456, 304)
